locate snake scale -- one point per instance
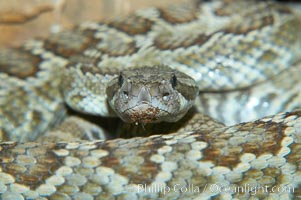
(244, 60)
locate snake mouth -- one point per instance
(143, 113)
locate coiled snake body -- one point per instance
(244, 60)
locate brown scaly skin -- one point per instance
(203, 163)
(264, 43)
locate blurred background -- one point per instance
(24, 19)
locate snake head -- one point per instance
(151, 94)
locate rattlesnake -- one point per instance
(245, 53)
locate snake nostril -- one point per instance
(120, 80)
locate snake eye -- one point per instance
(173, 81)
(125, 94)
(120, 80)
(165, 96)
